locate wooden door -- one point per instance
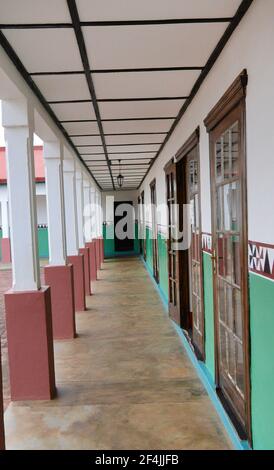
(127, 243)
(154, 230)
(172, 254)
(196, 305)
(229, 236)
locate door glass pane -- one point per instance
(235, 148)
(227, 154)
(240, 367)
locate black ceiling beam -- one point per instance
(118, 100)
(121, 70)
(119, 133)
(84, 57)
(171, 21)
(120, 153)
(159, 118)
(119, 145)
(36, 26)
(122, 160)
(244, 6)
(147, 69)
(127, 164)
(23, 72)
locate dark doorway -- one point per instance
(120, 212)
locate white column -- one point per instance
(5, 219)
(100, 215)
(93, 212)
(70, 207)
(53, 156)
(18, 122)
(87, 211)
(80, 207)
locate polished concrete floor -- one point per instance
(124, 383)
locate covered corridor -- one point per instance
(125, 382)
(136, 224)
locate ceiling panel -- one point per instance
(63, 87)
(81, 128)
(87, 140)
(154, 9)
(134, 139)
(139, 109)
(70, 111)
(133, 148)
(138, 46)
(156, 125)
(144, 84)
(35, 48)
(93, 149)
(131, 155)
(34, 11)
(87, 150)
(143, 161)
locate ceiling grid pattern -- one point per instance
(117, 76)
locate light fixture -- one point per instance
(120, 178)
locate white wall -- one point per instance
(250, 47)
(40, 198)
(120, 196)
(41, 209)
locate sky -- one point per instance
(37, 141)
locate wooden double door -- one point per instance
(184, 251)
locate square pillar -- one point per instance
(58, 274)
(80, 217)
(76, 259)
(28, 306)
(92, 260)
(88, 230)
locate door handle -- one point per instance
(214, 261)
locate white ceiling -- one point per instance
(100, 10)
(137, 122)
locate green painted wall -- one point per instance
(162, 254)
(109, 245)
(149, 249)
(43, 242)
(163, 270)
(209, 314)
(262, 361)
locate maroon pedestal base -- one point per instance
(5, 248)
(77, 262)
(30, 345)
(92, 261)
(60, 280)
(85, 253)
(2, 432)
